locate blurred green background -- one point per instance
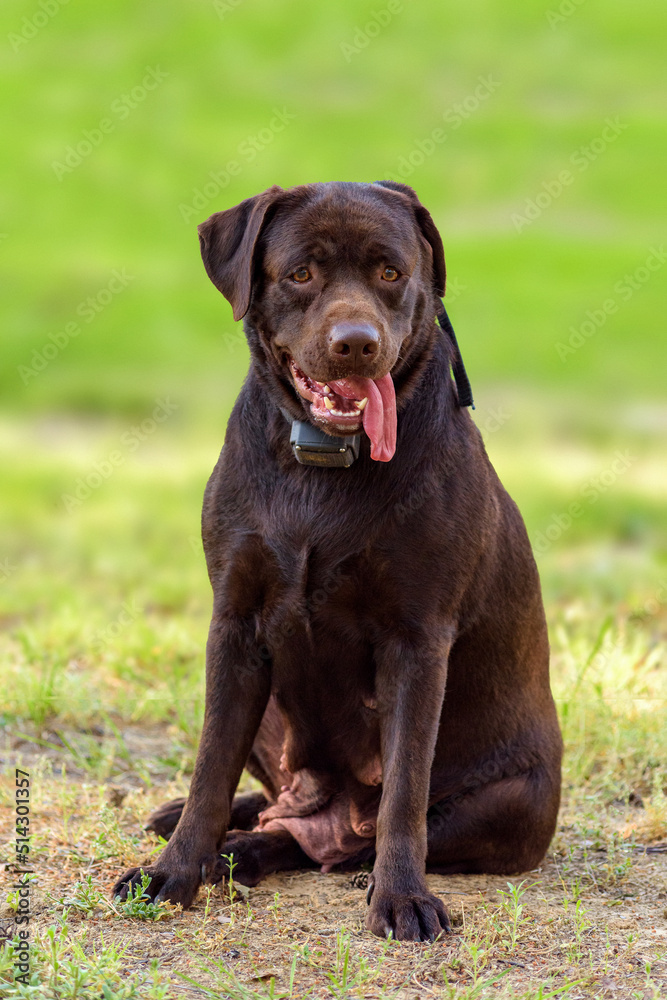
(355, 115)
(535, 134)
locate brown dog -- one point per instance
(378, 654)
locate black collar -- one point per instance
(312, 446)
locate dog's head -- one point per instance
(340, 282)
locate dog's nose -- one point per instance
(356, 342)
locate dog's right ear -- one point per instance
(228, 242)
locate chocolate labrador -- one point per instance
(378, 656)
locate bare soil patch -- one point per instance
(590, 922)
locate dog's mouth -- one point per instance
(344, 406)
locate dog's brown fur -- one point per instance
(378, 654)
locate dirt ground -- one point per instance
(591, 921)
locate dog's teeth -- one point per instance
(328, 403)
(325, 388)
(321, 384)
(361, 403)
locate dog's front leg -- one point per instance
(410, 687)
(237, 690)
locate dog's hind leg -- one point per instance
(164, 819)
(256, 854)
(245, 810)
(500, 829)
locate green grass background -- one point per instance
(551, 425)
(354, 120)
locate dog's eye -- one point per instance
(390, 274)
(301, 274)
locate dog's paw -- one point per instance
(241, 847)
(178, 885)
(164, 819)
(413, 915)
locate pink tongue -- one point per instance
(380, 413)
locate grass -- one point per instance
(103, 707)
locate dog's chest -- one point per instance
(311, 623)
(313, 606)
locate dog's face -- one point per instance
(337, 280)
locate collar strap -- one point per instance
(463, 389)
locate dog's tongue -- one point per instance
(379, 416)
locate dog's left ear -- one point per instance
(228, 242)
(428, 231)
